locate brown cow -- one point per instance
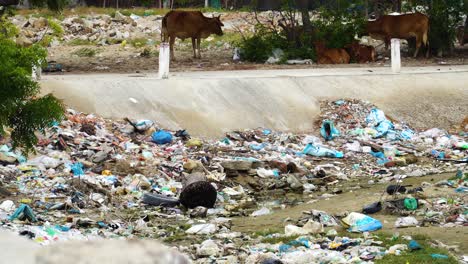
(330, 56)
(402, 27)
(361, 53)
(189, 24)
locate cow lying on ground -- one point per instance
(330, 56)
(189, 24)
(402, 27)
(361, 53)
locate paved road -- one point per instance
(209, 103)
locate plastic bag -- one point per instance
(23, 212)
(406, 222)
(411, 204)
(77, 169)
(377, 119)
(375, 116)
(320, 151)
(328, 130)
(361, 223)
(143, 125)
(161, 137)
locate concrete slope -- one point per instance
(209, 103)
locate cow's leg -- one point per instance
(418, 46)
(171, 44)
(194, 46)
(198, 47)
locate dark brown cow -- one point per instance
(361, 53)
(189, 24)
(402, 27)
(330, 56)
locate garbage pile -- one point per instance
(93, 178)
(117, 27)
(102, 29)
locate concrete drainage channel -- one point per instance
(210, 103)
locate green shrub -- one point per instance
(56, 28)
(444, 17)
(85, 52)
(21, 110)
(338, 27)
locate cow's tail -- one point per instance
(426, 40)
(164, 29)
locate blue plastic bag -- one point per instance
(77, 169)
(257, 147)
(414, 245)
(439, 256)
(23, 212)
(320, 151)
(383, 128)
(161, 137)
(328, 130)
(377, 119)
(358, 222)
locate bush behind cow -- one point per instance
(189, 24)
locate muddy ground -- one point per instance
(356, 194)
(119, 59)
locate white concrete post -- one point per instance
(396, 59)
(164, 59)
(207, 4)
(37, 71)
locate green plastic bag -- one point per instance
(411, 204)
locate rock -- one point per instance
(228, 260)
(23, 41)
(194, 142)
(118, 16)
(40, 23)
(411, 159)
(77, 20)
(6, 159)
(262, 211)
(416, 173)
(260, 258)
(294, 182)
(406, 222)
(110, 251)
(208, 248)
(202, 229)
(28, 33)
(193, 166)
(292, 230)
(332, 233)
(199, 211)
(313, 227)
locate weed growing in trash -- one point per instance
(279, 239)
(414, 257)
(86, 52)
(81, 42)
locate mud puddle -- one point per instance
(353, 199)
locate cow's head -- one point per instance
(216, 24)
